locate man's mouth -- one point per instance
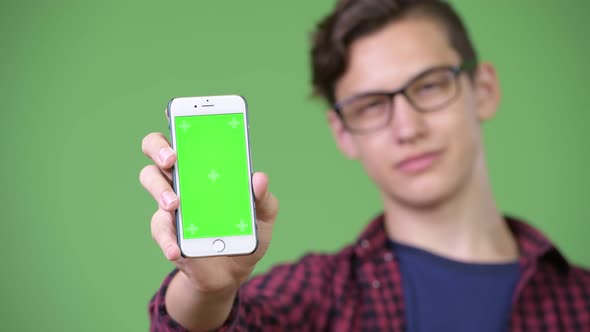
(418, 162)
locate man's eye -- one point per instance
(368, 107)
(372, 105)
(430, 87)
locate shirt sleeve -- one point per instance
(290, 297)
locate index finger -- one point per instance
(156, 147)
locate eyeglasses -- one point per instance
(430, 90)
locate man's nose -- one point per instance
(408, 123)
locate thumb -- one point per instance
(267, 205)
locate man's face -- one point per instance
(418, 159)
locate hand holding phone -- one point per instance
(194, 293)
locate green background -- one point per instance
(82, 82)
(215, 206)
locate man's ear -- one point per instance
(487, 91)
(342, 136)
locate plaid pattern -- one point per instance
(360, 289)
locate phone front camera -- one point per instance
(195, 106)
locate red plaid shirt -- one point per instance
(360, 289)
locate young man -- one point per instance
(409, 98)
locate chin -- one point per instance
(424, 193)
(429, 201)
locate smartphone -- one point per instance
(213, 176)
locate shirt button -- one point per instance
(388, 257)
(364, 243)
(376, 284)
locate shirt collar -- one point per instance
(373, 239)
(534, 246)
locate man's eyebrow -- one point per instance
(358, 94)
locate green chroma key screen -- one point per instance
(213, 174)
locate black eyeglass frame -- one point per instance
(455, 70)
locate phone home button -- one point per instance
(219, 245)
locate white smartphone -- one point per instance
(213, 176)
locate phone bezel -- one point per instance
(227, 104)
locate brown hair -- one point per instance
(353, 19)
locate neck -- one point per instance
(466, 227)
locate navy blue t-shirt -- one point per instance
(446, 295)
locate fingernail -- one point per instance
(165, 153)
(168, 197)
